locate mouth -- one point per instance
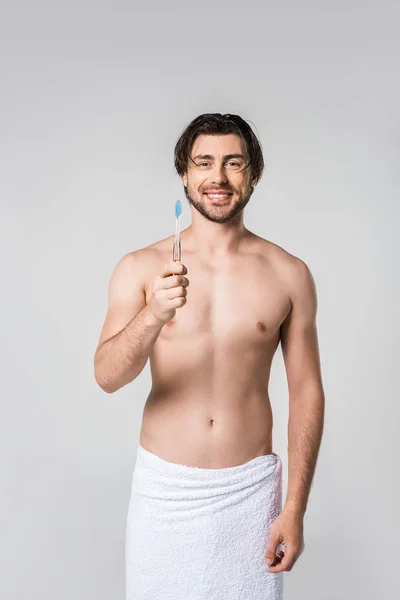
(219, 196)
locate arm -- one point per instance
(129, 331)
(299, 342)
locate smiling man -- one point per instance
(205, 513)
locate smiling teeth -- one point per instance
(218, 195)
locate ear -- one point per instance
(185, 179)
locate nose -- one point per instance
(219, 175)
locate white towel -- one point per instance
(201, 534)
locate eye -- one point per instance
(203, 163)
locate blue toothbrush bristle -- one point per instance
(178, 208)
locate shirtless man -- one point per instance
(211, 325)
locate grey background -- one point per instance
(92, 102)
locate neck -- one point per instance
(210, 239)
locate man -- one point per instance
(205, 510)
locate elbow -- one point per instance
(106, 386)
(109, 387)
(113, 384)
(100, 379)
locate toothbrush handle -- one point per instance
(177, 249)
(176, 253)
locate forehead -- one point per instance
(218, 145)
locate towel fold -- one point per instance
(201, 534)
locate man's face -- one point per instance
(213, 169)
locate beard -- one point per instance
(215, 213)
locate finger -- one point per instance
(284, 565)
(278, 557)
(176, 292)
(174, 281)
(173, 268)
(270, 552)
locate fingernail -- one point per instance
(268, 561)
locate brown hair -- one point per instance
(218, 124)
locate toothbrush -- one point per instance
(177, 255)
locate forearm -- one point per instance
(122, 358)
(305, 427)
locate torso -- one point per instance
(209, 405)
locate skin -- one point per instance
(210, 364)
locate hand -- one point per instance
(287, 529)
(168, 291)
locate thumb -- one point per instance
(273, 543)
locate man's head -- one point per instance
(218, 153)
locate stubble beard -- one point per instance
(215, 214)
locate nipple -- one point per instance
(261, 326)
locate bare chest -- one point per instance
(241, 302)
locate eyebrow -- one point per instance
(226, 157)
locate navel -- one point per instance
(261, 326)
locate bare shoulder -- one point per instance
(132, 266)
(152, 252)
(127, 289)
(147, 261)
(291, 270)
